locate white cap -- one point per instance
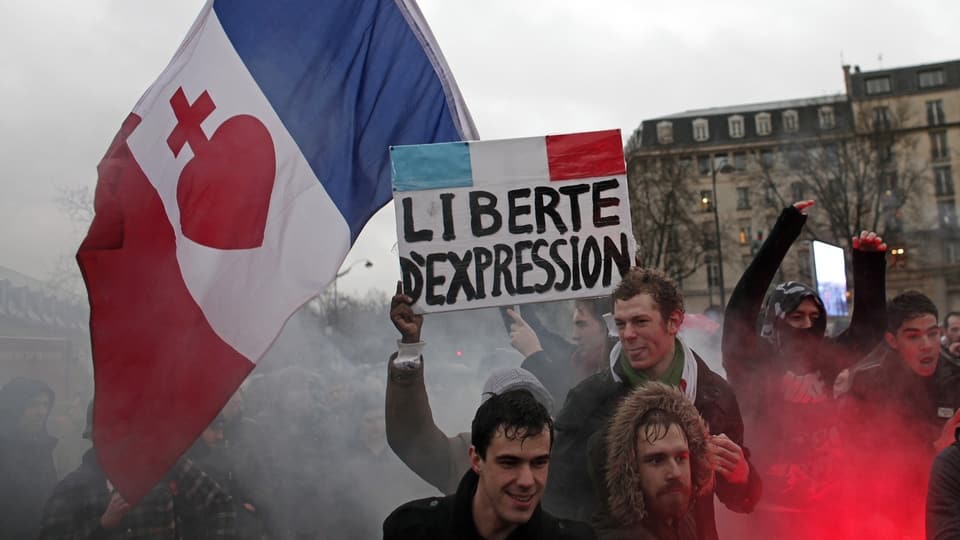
(514, 378)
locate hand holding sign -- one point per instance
(404, 319)
(522, 337)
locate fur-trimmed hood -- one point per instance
(625, 497)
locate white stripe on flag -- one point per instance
(509, 161)
(247, 294)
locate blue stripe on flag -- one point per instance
(431, 166)
(348, 79)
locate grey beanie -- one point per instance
(514, 378)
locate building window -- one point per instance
(740, 161)
(831, 155)
(771, 195)
(885, 150)
(701, 130)
(743, 198)
(827, 119)
(768, 158)
(938, 145)
(703, 164)
(878, 85)
(673, 240)
(735, 123)
(706, 200)
(888, 182)
(763, 124)
(713, 271)
(797, 191)
(930, 79)
(952, 250)
(948, 213)
(665, 132)
(943, 178)
(881, 118)
(709, 235)
(791, 121)
(796, 157)
(935, 115)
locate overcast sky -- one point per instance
(71, 71)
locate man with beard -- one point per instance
(648, 312)
(901, 403)
(653, 459)
(27, 471)
(499, 497)
(558, 364)
(783, 369)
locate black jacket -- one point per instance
(943, 496)
(451, 518)
(752, 362)
(891, 422)
(898, 404)
(788, 411)
(589, 406)
(560, 365)
(27, 471)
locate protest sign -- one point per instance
(495, 223)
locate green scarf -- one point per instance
(672, 376)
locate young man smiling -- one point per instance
(648, 311)
(499, 497)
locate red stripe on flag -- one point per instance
(585, 155)
(161, 372)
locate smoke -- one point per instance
(314, 413)
(309, 448)
(854, 467)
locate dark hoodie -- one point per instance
(623, 510)
(27, 471)
(784, 377)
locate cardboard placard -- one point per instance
(514, 221)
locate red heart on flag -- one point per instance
(224, 191)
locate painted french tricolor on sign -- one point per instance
(232, 194)
(494, 223)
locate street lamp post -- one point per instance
(340, 274)
(724, 168)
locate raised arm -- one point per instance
(554, 344)
(869, 319)
(740, 338)
(555, 374)
(411, 431)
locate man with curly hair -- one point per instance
(653, 461)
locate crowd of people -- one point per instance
(624, 430)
